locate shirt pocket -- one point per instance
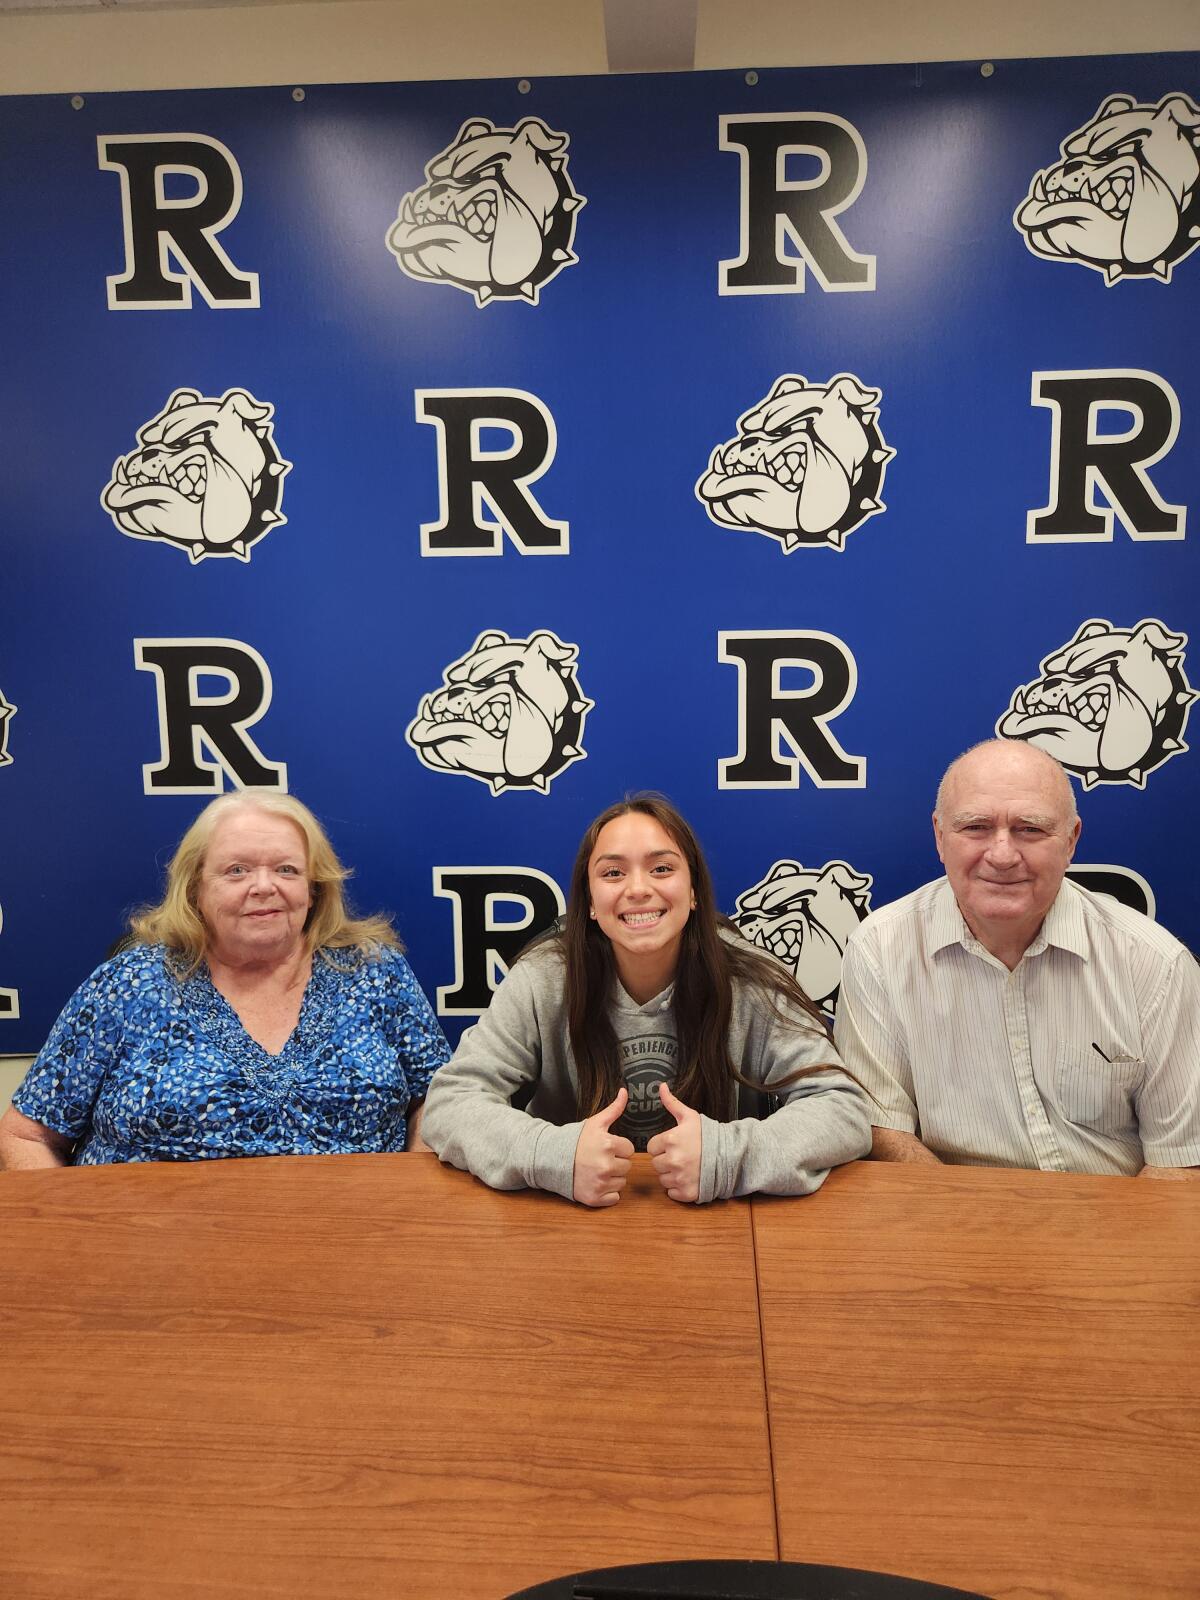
(1095, 1093)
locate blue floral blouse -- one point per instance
(145, 1066)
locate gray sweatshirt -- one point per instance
(520, 1048)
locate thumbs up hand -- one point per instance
(675, 1154)
(601, 1157)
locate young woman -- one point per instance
(646, 1024)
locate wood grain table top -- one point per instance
(988, 1379)
(355, 1376)
(350, 1376)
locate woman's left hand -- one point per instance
(675, 1155)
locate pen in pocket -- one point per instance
(1113, 1061)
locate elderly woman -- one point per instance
(251, 1015)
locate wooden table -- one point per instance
(345, 1377)
(328, 1378)
(988, 1379)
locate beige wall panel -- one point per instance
(350, 41)
(334, 41)
(12, 1070)
(799, 33)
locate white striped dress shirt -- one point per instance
(1085, 1058)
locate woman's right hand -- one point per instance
(602, 1158)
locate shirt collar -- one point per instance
(624, 1001)
(946, 924)
(1064, 926)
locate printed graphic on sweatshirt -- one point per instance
(1112, 705)
(804, 916)
(646, 1061)
(206, 476)
(511, 713)
(497, 215)
(1125, 198)
(806, 467)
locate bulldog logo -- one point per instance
(804, 915)
(511, 713)
(806, 467)
(1111, 706)
(497, 216)
(1124, 200)
(6, 711)
(206, 476)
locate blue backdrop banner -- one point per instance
(459, 458)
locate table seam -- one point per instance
(762, 1350)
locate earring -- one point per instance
(592, 912)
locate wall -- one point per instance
(363, 40)
(12, 1070)
(380, 40)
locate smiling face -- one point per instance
(641, 898)
(1005, 833)
(253, 891)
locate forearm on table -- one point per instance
(413, 1141)
(889, 1144)
(470, 1123)
(1173, 1174)
(25, 1143)
(822, 1124)
(504, 1147)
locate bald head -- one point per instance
(1006, 830)
(1000, 760)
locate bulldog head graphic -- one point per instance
(6, 711)
(497, 216)
(206, 476)
(511, 713)
(1111, 706)
(806, 467)
(804, 915)
(1124, 200)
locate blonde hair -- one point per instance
(176, 921)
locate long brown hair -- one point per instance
(710, 963)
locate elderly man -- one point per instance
(1003, 1016)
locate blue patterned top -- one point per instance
(144, 1066)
